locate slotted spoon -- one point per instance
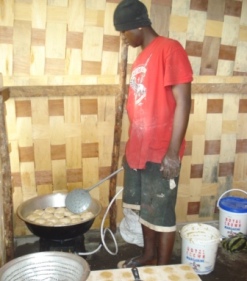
(78, 200)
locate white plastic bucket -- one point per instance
(232, 215)
(199, 246)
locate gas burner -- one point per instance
(74, 245)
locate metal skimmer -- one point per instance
(78, 200)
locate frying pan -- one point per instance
(55, 232)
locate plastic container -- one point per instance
(199, 246)
(232, 215)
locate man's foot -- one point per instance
(136, 262)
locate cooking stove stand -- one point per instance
(74, 245)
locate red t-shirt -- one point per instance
(151, 104)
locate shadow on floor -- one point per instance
(232, 267)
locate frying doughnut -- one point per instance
(32, 217)
(50, 210)
(38, 212)
(40, 221)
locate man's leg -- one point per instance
(165, 245)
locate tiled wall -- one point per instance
(62, 140)
(74, 42)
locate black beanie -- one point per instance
(130, 14)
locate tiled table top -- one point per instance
(178, 272)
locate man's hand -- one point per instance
(170, 166)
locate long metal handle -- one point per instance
(105, 179)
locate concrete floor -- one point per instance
(232, 267)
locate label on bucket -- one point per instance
(199, 246)
(196, 256)
(231, 223)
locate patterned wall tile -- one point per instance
(23, 108)
(89, 106)
(58, 152)
(43, 177)
(200, 5)
(26, 154)
(226, 169)
(56, 107)
(214, 105)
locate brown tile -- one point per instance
(6, 35)
(212, 147)
(56, 107)
(90, 150)
(74, 175)
(196, 171)
(23, 108)
(227, 52)
(89, 106)
(91, 68)
(193, 208)
(233, 8)
(111, 43)
(194, 48)
(26, 154)
(210, 53)
(74, 40)
(241, 146)
(216, 10)
(188, 148)
(58, 152)
(242, 106)
(16, 179)
(54, 66)
(226, 169)
(38, 37)
(43, 177)
(215, 106)
(199, 5)
(104, 172)
(239, 73)
(21, 64)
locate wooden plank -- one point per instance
(120, 101)
(55, 32)
(92, 45)
(76, 15)
(59, 175)
(6, 189)
(73, 152)
(58, 91)
(42, 155)
(39, 13)
(210, 54)
(37, 66)
(21, 47)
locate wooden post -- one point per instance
(5, 183)
(120, 101)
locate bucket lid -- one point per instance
(234, 204)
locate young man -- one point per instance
(158, 106)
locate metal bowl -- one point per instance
(55, 232)
(58, 266)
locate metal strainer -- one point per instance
(46, 266)
(78, 200)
